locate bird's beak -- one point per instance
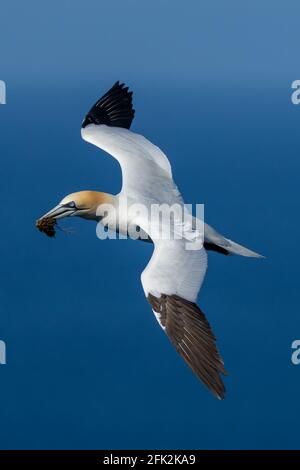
(59, 211)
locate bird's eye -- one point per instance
(71, 204)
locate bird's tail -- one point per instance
(216, 242)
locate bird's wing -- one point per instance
(145, 168)
(171, 283)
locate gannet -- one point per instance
(172, 279)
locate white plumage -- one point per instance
(176, 270)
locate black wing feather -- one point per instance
(113, 109)
(191, 334)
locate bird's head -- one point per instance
(82, 204)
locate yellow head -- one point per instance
(82, 204)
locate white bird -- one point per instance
(174, 275)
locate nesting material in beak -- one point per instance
(47, 226)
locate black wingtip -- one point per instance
(192, 336)
(113, 109)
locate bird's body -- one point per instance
(174, 275)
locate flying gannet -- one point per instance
(174, 275)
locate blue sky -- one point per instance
(88, 366)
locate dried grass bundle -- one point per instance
(47, 226)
